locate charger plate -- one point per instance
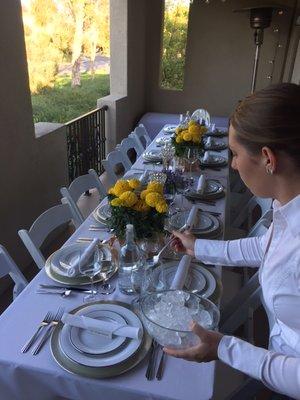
(152, 155)
(169, 129)
(102, 213)
(98, 372)
(213, 190)
(220, 145)
(219, 132)
(215, 160)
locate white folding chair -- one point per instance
(80, 185)
(246, 214)
(130, 145)
(115, 161)
(43, 226)
(9, 267)
(142, 135)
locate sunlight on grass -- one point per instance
(63, 103)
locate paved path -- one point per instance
(100, 62)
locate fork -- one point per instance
(45, 322)
(49, 330)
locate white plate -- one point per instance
(214, 160)
(65, 257)
(162, 141)
(152, 155)
(215, 223)
(216, 145)
(203, 221)
(218, 132)
(202, 281)
(92, 342)
(102, 213)
(122, 353)
(211, 187)
(170, 129)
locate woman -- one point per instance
(264, 138)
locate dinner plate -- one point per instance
(90, 342)
(213, 190)
(169, 129)
(218, 132)
(216, 145)
(152, 155)
(161, 141)
(109, 268)
(98, 373)
(199, 281)
(63, 258)
(203, 221)
(102, 213)
(214, 160)
(120, 354)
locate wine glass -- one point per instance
(191, 155)
(90, 268)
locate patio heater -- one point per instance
(260, 19)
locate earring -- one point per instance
(269, 170)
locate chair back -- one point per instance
(80, 185)
(115, 160)
(9, 267)
(247, 214)
(130, 145)
(141, 134)
(43, 226)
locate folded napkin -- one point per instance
(102, 327)
(84, 258)
(201, 184)
(192, 217)
(207, 156)
(181, 273)
(144, 176)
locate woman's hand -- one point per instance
(184, 242)
(205, 351)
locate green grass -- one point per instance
(63, 103)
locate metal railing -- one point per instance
(86, 143)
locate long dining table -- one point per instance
(28, 377)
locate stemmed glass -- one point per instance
(91, 268)
(191, 155)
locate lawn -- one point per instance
(62, 103)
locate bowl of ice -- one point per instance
(167, 316)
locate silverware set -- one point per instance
(64, 291)
(43, 332)
(156, 352)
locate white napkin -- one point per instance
(104, 328)
(181, 273)
(201, 184)
(144, 176)
(74, 269)
(192, 217)
(207, 156)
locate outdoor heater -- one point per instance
(260, 19)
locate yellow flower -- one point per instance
(120, 187)
(196, 139)
(155, 187)
(116, 202)
(111, 190)
(187, 136)
(178, 138)
(203, 129)
(195, 130)
(129, 198)
(153, 198)
(161, 207)
(193, 122)
(144, 194)
(141, 206)
(134, 183)
(178, 130)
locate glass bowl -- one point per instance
(167, 316)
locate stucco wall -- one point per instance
(219, 56)
(31, 170)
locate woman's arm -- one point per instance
(279, 372)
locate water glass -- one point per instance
(91, 268)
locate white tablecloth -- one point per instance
(25, 377)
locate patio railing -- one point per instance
(86, 143)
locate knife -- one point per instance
(73, 288)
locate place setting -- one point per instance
(153, 156)
(211, 160)
(169, 129)
(215, 144)
(217, 132)
(205, 189)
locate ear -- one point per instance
(269, 158)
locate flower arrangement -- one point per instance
(188, 136)
(144, 209)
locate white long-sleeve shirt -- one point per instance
(279, 276)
